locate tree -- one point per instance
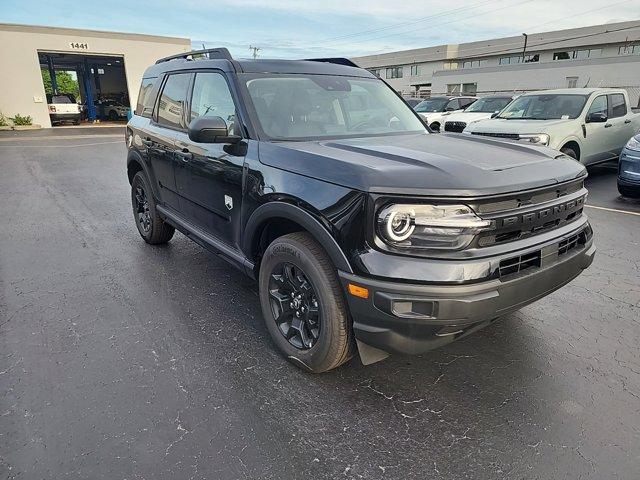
(67, 83)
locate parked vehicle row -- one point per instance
(591, 125)
(365, 231)
(435, 110)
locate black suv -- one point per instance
(364, 231)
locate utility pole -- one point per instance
(524, 49)
(255, 51)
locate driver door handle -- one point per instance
(627, 121)
(184, 155)
(607, 125)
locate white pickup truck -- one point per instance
(63, 108)
(589, 124)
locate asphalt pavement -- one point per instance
(119, 360)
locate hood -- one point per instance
(468, 117)
(424, 164)
(503, 125)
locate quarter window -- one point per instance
(145, 99)
(212, 98)
(618, 105)
(171, 105)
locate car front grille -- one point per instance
(456, 127)
(516, 265)
(511, 136)
(530, 213)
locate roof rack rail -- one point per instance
(337, 60)
(211, 53)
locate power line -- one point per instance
(411, 22)
(440, 24)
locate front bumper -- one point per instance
(414, 318)
(59, 117)
(629, 170)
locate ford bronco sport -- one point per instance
(365, 232)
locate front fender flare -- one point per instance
(296, 214)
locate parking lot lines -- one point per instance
(614, 210)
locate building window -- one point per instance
(578, 54)
(394, 72)
(629, 50)
(415, 70)
(453, 89)
(514, 59)
(450, 65)
(473, 63)
(469, 88)
(375, 71)
(572, 82)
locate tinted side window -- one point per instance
(145, 99)
(599, 105)
(211, 97)
(453, 104)
(618, 105)
(465, 102)
(171, 105)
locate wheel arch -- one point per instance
(572, 144)
(287, 218)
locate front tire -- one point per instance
(303, 304)
(152, 228)
(569, 152)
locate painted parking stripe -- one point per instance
(614, 210)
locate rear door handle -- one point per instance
(184, 155)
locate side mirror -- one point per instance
(495, 114)
(211, 130)
(596, 117)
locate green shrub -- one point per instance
(3, 120)
(20, 120)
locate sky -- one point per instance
(314, 28)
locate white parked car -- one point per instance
(435, 110)
(63, 108)
(589, 124)
(481, 109)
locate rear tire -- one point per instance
(295, 275)
(153, 229)
(569, 152)
(629, 192)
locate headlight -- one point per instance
(536, 138)
(450, 227)
(633, 144)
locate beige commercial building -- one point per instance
(596, 56)
(107, 66)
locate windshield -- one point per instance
(544, 107)
(487, 105)
(432, 105)
(322, 106)
(61, 99)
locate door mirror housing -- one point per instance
(596, 117)
(211, 130)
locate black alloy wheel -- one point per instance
(294, 304)
(143, 214)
